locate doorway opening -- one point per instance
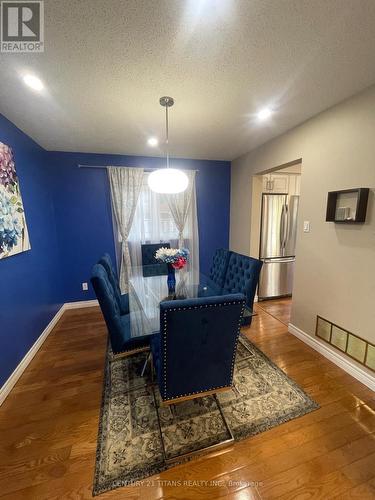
(274, 222)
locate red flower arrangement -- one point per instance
(180, 263)
(174, 257)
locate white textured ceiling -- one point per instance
(107, 63)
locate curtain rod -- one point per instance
(121, 166)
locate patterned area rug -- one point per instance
(129, 443)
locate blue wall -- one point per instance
(30, 286)
(83, 211)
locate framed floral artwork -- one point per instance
(14, 237)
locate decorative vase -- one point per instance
(171, 280)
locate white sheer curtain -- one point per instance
(179, 205)
(183, 207)
(154, 222)
(126, 184)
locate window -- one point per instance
(153, 221)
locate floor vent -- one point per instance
(350, 344)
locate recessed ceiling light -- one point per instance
(264, 114)
(33, 82)
(152, 141)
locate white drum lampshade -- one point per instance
(168, 181)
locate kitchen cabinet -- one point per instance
(275, 183)
(282, 183)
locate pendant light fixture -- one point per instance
(167, 180)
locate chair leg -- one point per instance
(206, 449)
(235, 390)
(173, 410)
(159, 426)
(224, 419)
(145, 364)
(152, 369)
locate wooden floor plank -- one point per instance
(278, 308)
(49, 423)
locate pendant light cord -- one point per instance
(167, 133)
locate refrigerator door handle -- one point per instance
(282, 229)
(286, 226)
(279, 260)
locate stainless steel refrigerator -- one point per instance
(277, 244)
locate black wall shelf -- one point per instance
(347, 206)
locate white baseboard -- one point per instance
(13, 379)
(342, 361)
(80, 304)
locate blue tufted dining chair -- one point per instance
(219, 266)
(194, 352)
(118, 324)
(122, 299)
(150, 266)
(242, 276)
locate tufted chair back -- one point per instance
(242, 276)
(106, 262)
(110, 308)
(219, 266)
(197, 345)
(151, 267)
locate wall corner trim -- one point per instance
(26, 360)
(344, 363)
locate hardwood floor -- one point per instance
(49, 423)
(278, 308)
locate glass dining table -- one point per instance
(146, 293)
